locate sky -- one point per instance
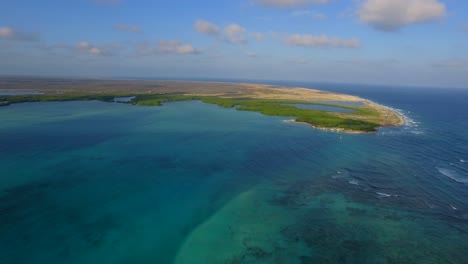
(392, 42)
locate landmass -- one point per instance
(270, 100)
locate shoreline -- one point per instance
(335, 130)
(271, 100)
(402, 119)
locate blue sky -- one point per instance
(396, 42)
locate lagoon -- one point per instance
(188, 182)
(322, 108)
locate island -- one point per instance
(353, 115)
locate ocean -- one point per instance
(188, 182)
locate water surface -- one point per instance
(322, 108)
(94, 182)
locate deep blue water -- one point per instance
(94, 182)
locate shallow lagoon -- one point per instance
(93, 182)
(322, 108)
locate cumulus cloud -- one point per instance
(251, 54)
(6, 32)
(289, 3)
(175, 46)
(128, 28)
(206, 27)
(86, 48)
(258, 36)
(234, 33)
(391, 15)
(165, 47)
(12, 34)
(320, 41)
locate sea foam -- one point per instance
(353, 182)
(453, 175)
(385, 195)
(410, 125)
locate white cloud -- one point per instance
(164, 47)
(6, 32)
(235, 34)
(289, 3)
(84, 47)
(320, 41)
(258, 36)
(308, 13)
(87, 48)
(206, 27)
(128, 28)
(251, 54)
(232, 33)
(175, 46)
(11, 34)
(391, 15)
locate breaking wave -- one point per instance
(453, 175)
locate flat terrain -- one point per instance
(266, 99)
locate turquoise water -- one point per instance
(125, 99)
(94, 182)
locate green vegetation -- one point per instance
(268, 107)
(13, 99)
(317, 118)
(159, 99)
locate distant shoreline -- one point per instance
(270, 100)
(327, 129)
